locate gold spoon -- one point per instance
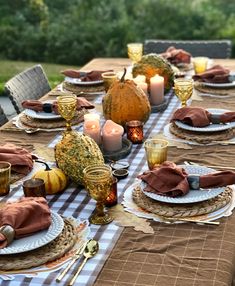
(91, 249)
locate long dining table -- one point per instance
(182, 254)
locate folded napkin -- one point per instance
(53, 107)
(26, 216)
(199, 117)
(172, 181)
(216, 74)
(84, 76)
(21, 160)
(176, 56)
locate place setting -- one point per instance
(215, 81)
(86, 84)
(31, 247)
(46, 116)
(195, 125)
(172, 193)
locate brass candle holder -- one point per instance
(134, 131)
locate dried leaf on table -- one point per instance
(123, 218)
(44, 152)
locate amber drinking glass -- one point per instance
(183, 89)
(67, 105)
(156, 152)
(34, 188)
(200, 64)
(135, 52)
(5, 175)
(98, 182)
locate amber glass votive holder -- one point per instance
(34, 188)
(134, 130)
(112, 199)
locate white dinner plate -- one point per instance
(193, 196)
(218, 85)
(36, 240)
(209, 128)
(41, 115)
(79, 82)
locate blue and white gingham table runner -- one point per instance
(75, 202)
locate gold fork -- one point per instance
(76, 256)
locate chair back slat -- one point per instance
(29, 84)
(217, 49)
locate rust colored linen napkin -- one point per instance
(21, 160)
(176, 56)
(199, 117)
(39, 106)
(215, 74)
(84, 76)
(170, 180)
(26, 216)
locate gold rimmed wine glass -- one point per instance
(98, 182)
(183, 89)
(135, 52)
(67, 105)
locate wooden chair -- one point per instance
(29, 84)
(212, 49)
(3, 118)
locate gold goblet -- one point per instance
(98, 182)
(67, 105)
(183, 89)
(135, 51)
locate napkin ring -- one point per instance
(47, 107)
(194, 182)
(8, 232)
(215, 118)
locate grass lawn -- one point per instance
(10, 68)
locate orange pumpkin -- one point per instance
(55, 180)
(125, 101)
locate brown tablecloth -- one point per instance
(175, 255)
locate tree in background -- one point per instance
(72, 32)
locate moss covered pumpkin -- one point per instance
(75, 152)
(153, 64)
(125, 101)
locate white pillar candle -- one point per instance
(140, 78)
(143, 86)
(156, 89)
(112, 136)
(91, 126)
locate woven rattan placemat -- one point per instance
(216, 91)
(77, 89)
(50, 124)
(201, 137)
(181, 210)
(54, 250)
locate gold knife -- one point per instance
(76, 256)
